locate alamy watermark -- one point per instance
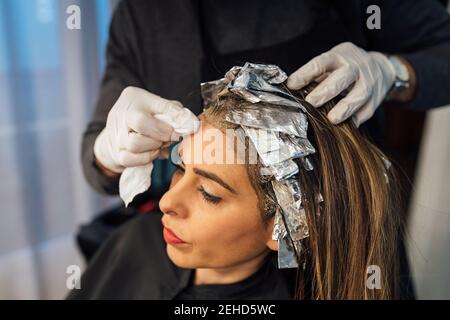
(214, 146)
(73, 21)
(373, 280)
(73, 281)
(374, 19)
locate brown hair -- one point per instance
(359, 222)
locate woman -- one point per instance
(218, 219)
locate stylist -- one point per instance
(159, 51)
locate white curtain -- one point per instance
(49, 77)
(429, 225)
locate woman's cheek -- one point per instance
(224, 227)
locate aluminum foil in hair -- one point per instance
(387, 166)
(281, 171)
(287, 257)
(258, 83)
(276, 124)
(273, 118)
(254, 83)
(274, 148)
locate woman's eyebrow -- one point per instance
(213, 177)
(209, 175)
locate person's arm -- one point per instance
(105, 170)
(122, 63)
(419, 32)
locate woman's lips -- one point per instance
(171, 237)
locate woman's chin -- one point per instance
(180, 258)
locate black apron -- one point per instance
(289, 56)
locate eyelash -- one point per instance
(209, 197)
(206, 196)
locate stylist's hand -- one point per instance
(139, 128)
(370, 74)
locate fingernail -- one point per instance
(312, 100)
(333, 119)
(293, 83)
(289, 82)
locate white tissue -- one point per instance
(135, 180)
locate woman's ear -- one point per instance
(271, 244)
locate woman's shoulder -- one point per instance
(131, 264)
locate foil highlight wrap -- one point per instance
(276, 124)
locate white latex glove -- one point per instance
(371, 73)
(139, 129)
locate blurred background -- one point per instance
(49, 77)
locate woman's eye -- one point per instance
(209, 197)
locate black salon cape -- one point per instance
(133, 264)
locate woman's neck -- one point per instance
(231, 274)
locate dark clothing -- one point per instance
(133, 264)
(168, 47)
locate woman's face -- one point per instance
(212, 207)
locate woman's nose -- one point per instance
(173, 201)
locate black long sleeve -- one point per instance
(122, 61)
(419, 31)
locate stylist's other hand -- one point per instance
(139, 128)
(367, 75)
